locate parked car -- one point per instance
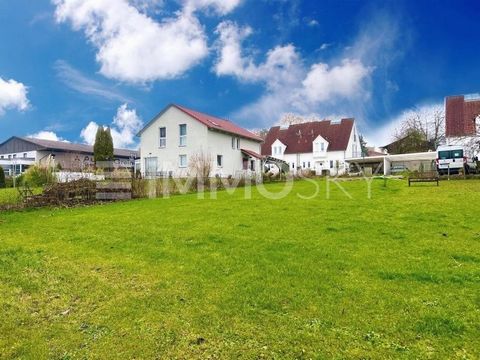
(453, 158)
(398, 169)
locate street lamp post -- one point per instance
(14, 170)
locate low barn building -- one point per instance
(320, 146)
(19, 153)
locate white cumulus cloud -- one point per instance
(290, 86)
(344, 80)
(13, 95)
(222, 7)
(124, 127)
(133, 47)
(88, 133)
(46, 135)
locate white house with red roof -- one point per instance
(318, 145)
(175, 136)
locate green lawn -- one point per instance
(9, 196)
(394, 276)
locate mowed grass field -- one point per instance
(9, 196)
(394, 276)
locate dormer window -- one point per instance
(277, 150)
(322, 146)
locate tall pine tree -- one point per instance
(98, 146)
(103, 147)
(108, 145)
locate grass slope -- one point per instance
(395, 276)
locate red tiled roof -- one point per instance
(252, 153)
(219, 124)
(299, 137)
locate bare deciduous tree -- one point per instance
(260, 132)
(293, 119)
(422, 129)
(200, 166)
(471, 142)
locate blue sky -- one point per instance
(67, 66)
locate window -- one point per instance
(457, 154)
(322, 146)
(304, 164)
(14, 156)
(163, 137)
(233, 143)
(150, 166)
(444, 155)
(182, 161)
(1, 157)
(24, 155)
(238, 143)
(293, 165)
(9, 157)
(183, 134)
(219, 160)
(308, 165)
(331, 164)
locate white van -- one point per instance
(453, 158)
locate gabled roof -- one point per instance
(299, 137)
(40, 144)
(210, 121)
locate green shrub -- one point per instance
(9, 181)
(38, 176)
(2, 178)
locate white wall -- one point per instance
(20, 155)
(221, 144)
(312, 161)
(199, 139)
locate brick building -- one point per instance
(460, 115)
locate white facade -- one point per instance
(321, 159)
(17, 163)
(165, 152)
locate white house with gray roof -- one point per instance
(19, 153)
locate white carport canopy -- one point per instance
(388, 159)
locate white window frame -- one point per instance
(233, 142)
(162, 143)
(182, 138)
(322, 146)
(238, 143)
(180, 157)
(149, 169)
